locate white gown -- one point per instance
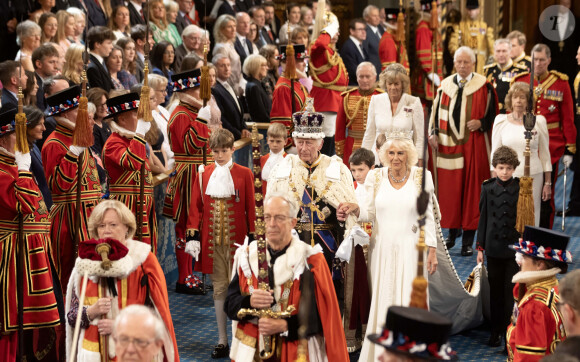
(392, 250)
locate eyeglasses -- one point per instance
(277, 218)
(124, 341)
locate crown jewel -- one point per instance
(400, 134)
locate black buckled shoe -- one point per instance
(220, 351)
(184, 289)
(466, 251)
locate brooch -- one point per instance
(552, 108)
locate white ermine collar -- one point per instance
(527, 277)
(65, 122)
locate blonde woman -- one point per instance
(161, 29)
(395, 108)
(80, 22)
(225, 35)
(73, 65)
(66, 29)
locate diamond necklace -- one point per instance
(395, 180)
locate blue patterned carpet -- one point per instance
(196, 329)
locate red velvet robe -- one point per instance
(122, 158)
(60, 168)
(463, 158)
(329, 75)
(222, 221)
(139, 262)
(326, 304)
(21, 195)
(422, 86)
(282, 104)
(536, 327)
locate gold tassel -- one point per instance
(434, 16)
(205, 83)
(401, 26)
(21, 139)
(525, 215)
(419, 293)
(83, 134)
(144, 111)
(290, 72)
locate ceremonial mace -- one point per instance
(22, 147)
(269, 342)
(525, 210)
(144, 113)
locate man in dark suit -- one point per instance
(191, 37)
(374, 33)
(97, 16)
(232, 7)
(228, 102)
(45, 62)
(9, 70)
(51, 85)
(100, 41)
(272, 23)
(259, 18)
(352, 52)
(138, 34)
(136, 12)
(242, 45)
(183, 19)
(230, 105)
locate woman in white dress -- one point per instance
(392, 249)
(394, 109)
(508, 130)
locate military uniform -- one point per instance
(536, 327)
(524, 60)
(476, 35)
(391, 51)
(501, 79)
(422, 86)
(282, 104)
(351, 122)
(60, 169)
(22, 202)
(188, 135)
(124, 154)
(553, 100)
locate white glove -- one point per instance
(142, 127)
(23, 161)
(331, 29)
(433, 77)
(193, 248)
(356, 236)
(567, 160)
(204, 113)
(77, 150)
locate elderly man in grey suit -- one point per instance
(374, 31)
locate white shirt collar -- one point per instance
(241, 37)
(136, 5)
(357, 42)
(375, 29)
(99, 58)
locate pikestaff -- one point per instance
(525, 210)
(22, 147)
(419, 293)
(145, 114)
(82, 136)
(434, 25)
